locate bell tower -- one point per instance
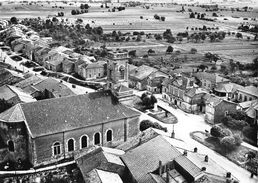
(117, 76)
(117, 69)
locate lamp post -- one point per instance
(173, 132)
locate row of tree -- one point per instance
(77, 11)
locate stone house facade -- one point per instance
(216, 108)
(59, 128)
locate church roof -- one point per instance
(68, 113)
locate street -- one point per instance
(188, 123)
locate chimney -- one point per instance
(160, 168)
(206, 158)
(185, 153)
(195, 149)
(167, 175)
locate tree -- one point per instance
(193, 50)
(73, 12)
(148, 100)
(228, 142)
(170, 49)
(239, 35)
(14, 20)
(238, 139)
(162, 19)
(151, 51)
(202, 67)
(216, 131)
(132, 53)
(4, 105)
(192, 15)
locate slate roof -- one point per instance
(145, 158)
(142, 72)
(69, 113)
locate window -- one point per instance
(11, 146)
(250, 98)
(226, 113)
(122, 72)
(56, 148)
(84, 141)
(70, 145)
(109, 135)
(97, 138)
(245, 98)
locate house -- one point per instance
(50, 130)
(100, 160)
(158, 161)
(39, 53)
(181, 91)
(48, 88)
(216, 108)
(226, 90)
(209, 81)
(138, 77)
(246, 93)
(53, 60)
(154, 81)
(92, 70)
(14, 95)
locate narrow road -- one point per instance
(188, 123)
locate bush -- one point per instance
(226, 132)
(228, 142)
(236, 124)
(145, 124)
(216, 131)
(193, 50)
(238, 139)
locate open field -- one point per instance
(129, 20)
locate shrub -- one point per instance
(193, 50)
(226, 132)
(228, 142)
(145, 124)
(216, 131)
(236, 124)
(238, 139)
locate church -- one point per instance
(50, 130)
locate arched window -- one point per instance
(84, 141)
(11, 146)
(121, 72)
(56, 148)
(97, 138)
(109, 135)
(70, 145)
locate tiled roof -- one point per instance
(8, 92)
(108, 177)
(213, 77)
(14, 114)
(213, 100)
(227, 87)
(31, 80)
(54, 86)
(194, 91)
(69, 113)
(188, 166)
(253, 108)
(250, 90)
(145, 158)
(142, 72)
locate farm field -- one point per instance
(129, 20)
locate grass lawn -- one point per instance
(237, 155)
